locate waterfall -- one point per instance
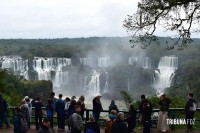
(85, 61)
(93, 87)
(106, 84)
(132, 60)
(146, 62)
(166, 68)
(104, 62)
(42, 66)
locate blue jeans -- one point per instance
(96, 115)
(3, 116)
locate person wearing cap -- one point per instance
(28, 102)
(44, 128)
(97, 108)
(77, 122)
(60, 109)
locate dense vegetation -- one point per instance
(14, 88)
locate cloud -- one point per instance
(63, 18)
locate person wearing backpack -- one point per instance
(25, 111)
(145, 109)
(19, 126)
(91, 126)
(28, 102)
(190, 109)
(163, 113)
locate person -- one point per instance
(82, 104)
(113, 106)
(109, 121)
(70, 111)
(163, 113)
(17, 120)
(67, 104)
(145, 109)
(91, 126)
(190, 109)
(44, 128)
(131, 118)
(38, 112)
(119, 126)
(3, 111)
(50, 108)
(28, 102)
(49, 111)
(25, 110)
(77, 122)
(97, 107)
(59, 107)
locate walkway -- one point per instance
(32, 130)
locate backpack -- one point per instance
(193, 108)
(70, 120)
(25, 111)
(89, 130)
(23, 125)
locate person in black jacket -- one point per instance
(190, 108)
(113, 106)
(97, 108)
(92, 125)
(44, 128)
(145, 109)
(131, 118)
(119, 126)
(38, 112)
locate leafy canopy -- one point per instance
(180, 16)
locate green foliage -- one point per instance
(14, 88)
(126, 97)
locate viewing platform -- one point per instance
(174, 113)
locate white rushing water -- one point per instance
(166, 68)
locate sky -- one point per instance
(64, 18)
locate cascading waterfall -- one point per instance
(132, 60)
(146, 63)
(166, 68)
(104, 62)
(42, 66)
(57, 70)
(106, 84)
(93, 87)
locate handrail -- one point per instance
(172, 113)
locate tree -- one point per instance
(180, 16)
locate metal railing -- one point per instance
(172, 113)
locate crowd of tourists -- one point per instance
(70, 115)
